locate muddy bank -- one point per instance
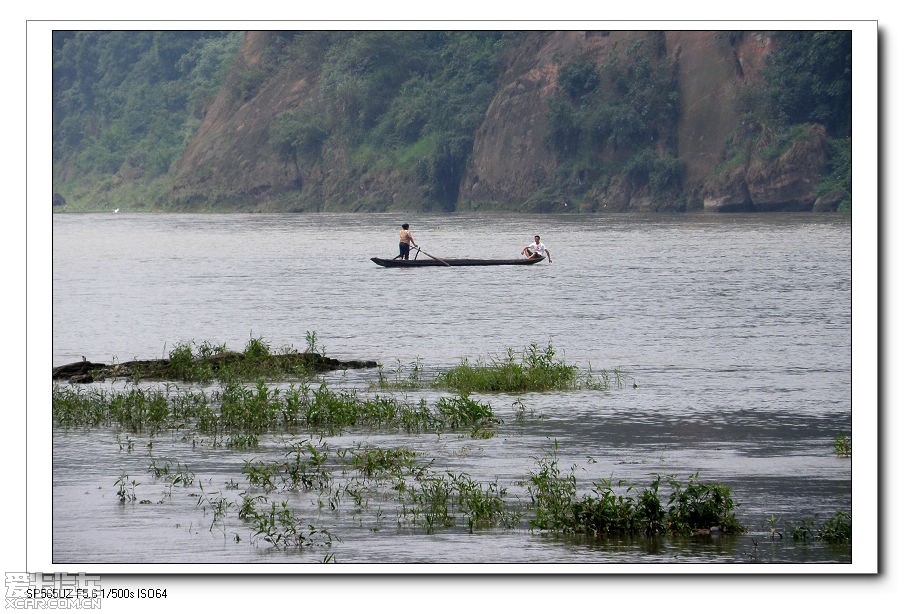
(85, 371)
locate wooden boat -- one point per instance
(388, 262)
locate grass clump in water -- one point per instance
(835, 530)
(281, 527)
(374, 462)
(304, 468)
(205, 362)
(614, 510)
(442, 501)
(137, 410)
(237, 414)
(536, 370)
(842, 445)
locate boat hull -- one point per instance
(391, 263)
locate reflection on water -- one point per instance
(736, 330)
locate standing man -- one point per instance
(406, 240)
(537, 249)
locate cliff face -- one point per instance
(231, 157)
(230, 154)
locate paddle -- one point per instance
(434, 257)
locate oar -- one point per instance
(434, 257)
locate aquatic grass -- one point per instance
(483, 507)
(443, 501)
(180, 475)
(536, 369)
(775, 530)
(464, 412)
(398, 379)
(608, 511)
(75, 407)
(261, 474)
(838, 528)
(692, 508)
(125, 488)
(842, 445)
(140, 409)
(184, 364)
(701, 505)
(375, 462)
(205, 362)
(430, 501)
(237, 414)
(553, 494)
(328, 410)
(304, 468)
(218, 504)
(136, 410)
(282, 528)
(249, 410)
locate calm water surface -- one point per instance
(736, 330)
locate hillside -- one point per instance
(532, 121)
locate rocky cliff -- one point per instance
(231, 158)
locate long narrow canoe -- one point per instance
(452, 262)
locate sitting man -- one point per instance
(537, 250)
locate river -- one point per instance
(731, 336)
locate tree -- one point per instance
(809, 79)
(298, 135)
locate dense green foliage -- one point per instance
(621, 510)
(126, 103)
(240, 413)
(807, 82)
(535, 369)
(412, 100)
(838, 528)
(618, 119)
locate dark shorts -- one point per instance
(404, 249)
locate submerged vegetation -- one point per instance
(536, 369)
(836, 529)
(842, 445)
(616, 510)
(293, 483)
(242, 413)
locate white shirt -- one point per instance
(537, 248)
